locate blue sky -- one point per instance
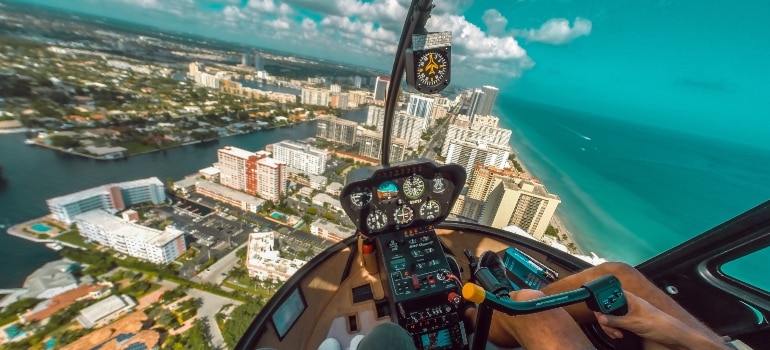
(696, 66)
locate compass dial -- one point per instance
(404, 215)
(377, 220)
(414, 186)
(361, 197)
(430, 210)
(432, 68)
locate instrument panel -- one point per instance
(403, 195)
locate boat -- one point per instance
(54, 246)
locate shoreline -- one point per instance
(557, 221)
(61, 150)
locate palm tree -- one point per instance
(238, 273)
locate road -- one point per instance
(210, 305)
(436, 140)
(217, 272)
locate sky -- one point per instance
(695, 66)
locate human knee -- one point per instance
(526, 294)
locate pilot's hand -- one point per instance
(654, 325)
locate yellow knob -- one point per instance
(474, 293)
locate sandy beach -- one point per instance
(565, 236)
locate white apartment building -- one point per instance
(232, 165)
(525, 204)
(160, 247)
(264, 262)
(316, 96)
(271, 178)
(467, 154)
(409, 128)
(420, 106)
(111, 197)
(487, 134)
(370, 145)
(375, 115)
(301, 156)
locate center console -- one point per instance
(395, 207)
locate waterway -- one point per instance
(35, 174)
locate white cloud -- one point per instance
(557, 31)
(494, 21)
(269, 6)
(474, 49)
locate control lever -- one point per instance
(472, 263)
(603, 294)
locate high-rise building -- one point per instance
(357, 81)
(491, 135)
(316, 96)
(237, 168)
(336, 130)
(481, 181)
(301, 156)
(335, 88)
(194, 68)
(160, 247)
(467, 154)
(259, 62)
(116, 196)
(524, 204)
(271, 179)
(358, 97)
(476, 103)
(420, 106)
(410, 128)
(247, 59)
(339, 100)
(381, 89)
(370, 145)
(484, 121)
(490, 95)
(375, 116)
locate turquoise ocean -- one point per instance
(630, 191)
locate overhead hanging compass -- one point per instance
(428, 62)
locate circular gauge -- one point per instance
(361, 197)
(430, 210)
(376, 220)
(432, 69)
(414, 186)
(439, 185)
(404, 215)
(387, 190)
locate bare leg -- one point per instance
(633, 281)
(552, 329)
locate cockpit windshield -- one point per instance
(177, 150)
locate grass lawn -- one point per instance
(73, 237)
(134, 147)
(259, 291)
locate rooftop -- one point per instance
(102, 190)
(112, 304)
(229, 192)
(236, 152)
(296, 146)
(119, 227)
(55, 274)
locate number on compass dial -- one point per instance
(377, 220)
(404, 215)
(414, 186)
(430, 209)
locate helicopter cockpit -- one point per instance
(407, 264)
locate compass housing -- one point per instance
(428, 62)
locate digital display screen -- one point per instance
(436, 340)
(288, 313)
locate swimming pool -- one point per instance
(12, 332)
(279, 216)
(41, 227)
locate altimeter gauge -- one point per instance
(404, 215)
(361, 197)
(413, 186)
(430, 210)
(377, 220)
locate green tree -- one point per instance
(239, 321)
